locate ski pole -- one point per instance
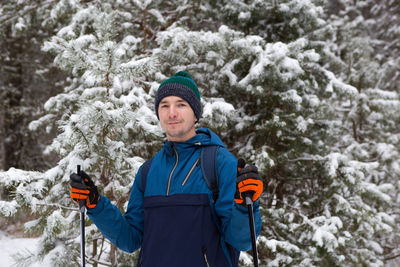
(82, 222)
(249, 204)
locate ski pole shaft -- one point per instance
(82, 223)
(249, 204)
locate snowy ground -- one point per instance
(10, 245)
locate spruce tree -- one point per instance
(105, 125)
(287, 123)
(288, 88)
(362, 38)
(27, 80)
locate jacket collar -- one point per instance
(203, 137)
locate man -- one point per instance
(175, 218)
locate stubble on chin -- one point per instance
(179, 135)
(175, 134)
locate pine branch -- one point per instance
(392, 257)
(84, 137)
(24, 12)
(94, 260)
(57, 206)
(314, 158)
(101, 248)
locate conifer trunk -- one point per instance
(95, 252)
(113, 258)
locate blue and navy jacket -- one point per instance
(175, 221)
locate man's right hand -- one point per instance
(82, 187)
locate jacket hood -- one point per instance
(203, 137)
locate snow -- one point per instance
(291, 96)
(64, 32)
(210, 108)
(20, 25)
(325, 239)
(244, 16)
(8, 208)
(276, 245)
(16, 176)
(333, 163)
(10, 245)
(158, 15)
(83, 41)
(301, 124)
(246, 258)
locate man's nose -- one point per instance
(172, 113)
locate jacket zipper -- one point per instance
(204, 249)
(172, 172)
(190, 172)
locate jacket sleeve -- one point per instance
(234, 218)
(125, 231)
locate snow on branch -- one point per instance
(14, 177)
(8, 208)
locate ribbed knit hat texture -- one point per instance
(182, 85)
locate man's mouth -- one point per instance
(173, 122)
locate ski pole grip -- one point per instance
(248, 196)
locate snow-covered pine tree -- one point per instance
(271, 62)
(272, 71)
(386, 14)
(361, 44)
(103, 117)
(105, 123)
(27, 79)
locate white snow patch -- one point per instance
(302, 124)
(244, 15)
(221, 106)
(8, 208)
(10, 245)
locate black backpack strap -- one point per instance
(208, 162)
(143, 174)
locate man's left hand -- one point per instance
(248, 182)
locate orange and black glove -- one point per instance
(248, 183)
(82, 187)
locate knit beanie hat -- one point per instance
(182, 85)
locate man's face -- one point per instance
(177, 118)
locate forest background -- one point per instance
(307, 90)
